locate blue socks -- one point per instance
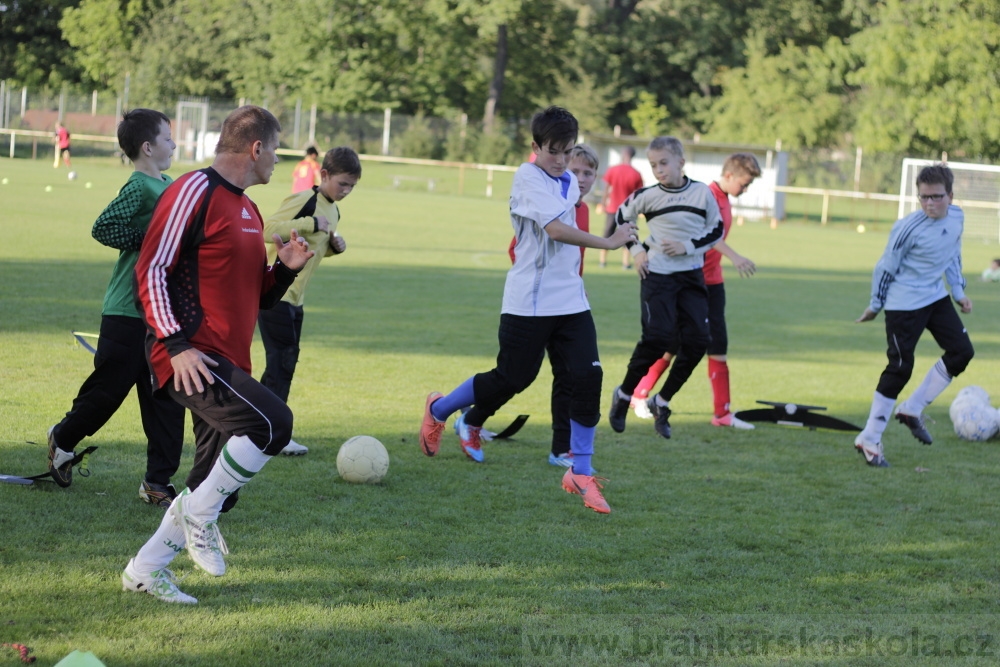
(581, 443)
(462, 397)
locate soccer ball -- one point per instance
(974, 421)
(363, 460)
(71, 175)
(974, 392)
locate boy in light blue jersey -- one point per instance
(908, 285)
(544, 306)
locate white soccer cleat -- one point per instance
(161, 584)
(729, 419)
(640, 408)
(294, 449)
(203, 540)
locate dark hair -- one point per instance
(137, 127)
(246, 125)
(936, 174)
(555, 126)
(342, 160)
(311, 151)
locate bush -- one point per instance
(418, 139)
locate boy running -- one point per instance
(738, 172)
(120, 361)
(544, 304)
(908, 284)
(684, 222)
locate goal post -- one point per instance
(976, 189)
(190, 129)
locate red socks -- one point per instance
(718, 374)
(647, 383)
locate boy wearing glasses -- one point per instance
(908, 284)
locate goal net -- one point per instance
(190, 130)
(977, 191)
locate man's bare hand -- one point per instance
(295, 253)
(965, 304)
(673, 248)
(190, 366)
(338, 243)
(623, 234)
(641, 262)
(744, 266)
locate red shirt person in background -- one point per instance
(622, 180)
(306, 173)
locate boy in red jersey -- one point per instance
(738, 172)
(201, 276)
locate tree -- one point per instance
(32, 49)
(930, 76)
(798, 96)
(648, 118)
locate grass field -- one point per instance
(714, 534)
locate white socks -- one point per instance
(239, 461)
(166, 542)
(936, 381)
(878, 418)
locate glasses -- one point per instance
(935, 197)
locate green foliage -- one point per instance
(648, 118)
(495, 147)
(32, 48)
(418, 139)
(797, 96)
(929, 78)
(461, 139)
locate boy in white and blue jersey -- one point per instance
(544, 304)
(684, 223)
(908, 285)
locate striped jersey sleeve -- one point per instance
(159, 255)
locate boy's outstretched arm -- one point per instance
(563, 233)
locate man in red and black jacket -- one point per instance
(201, 277)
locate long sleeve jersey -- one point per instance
(122, 225)
(920, 251)
(298, 212)
(202, 272)
(688, 214)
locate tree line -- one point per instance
(904, 76)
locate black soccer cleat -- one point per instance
(618, 412)
(60, 462)
(661, 417)
(916, 426)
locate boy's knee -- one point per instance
(957, 361)
(278, 423)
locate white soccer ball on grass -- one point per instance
(973, 420)
(71, 175)
(363, 460)
(974, 392)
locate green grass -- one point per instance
(447, 562)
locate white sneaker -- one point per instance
(204, 541)
(872, 452)
(161, 584)
(640, 408)
(729, 419)
(294, 449)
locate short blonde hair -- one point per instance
(670, 144)
(741, 164)
(586, 153)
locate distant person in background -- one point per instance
(62, 146)
(991, 273)
(306, 175)
(621, 180)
